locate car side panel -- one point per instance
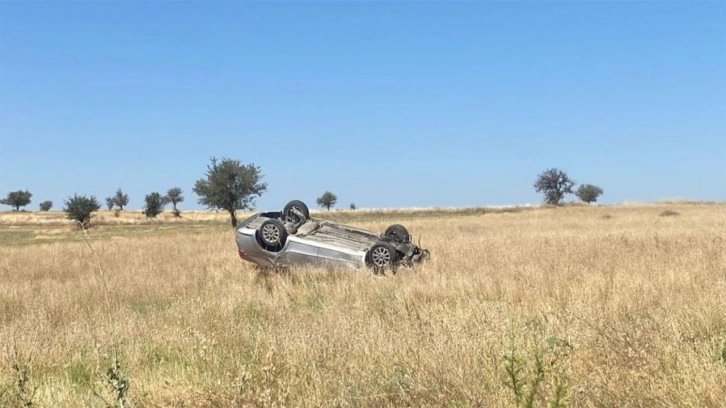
(333, 254)
(298, 251)
(295, 251)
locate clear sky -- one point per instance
(386, 104)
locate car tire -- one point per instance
(288, 213)
(397, 233)
(382, 256)
(272, 235)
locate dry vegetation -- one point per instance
(589, 306)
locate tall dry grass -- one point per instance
(594, 307)
(104, 217)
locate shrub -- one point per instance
(154, 205)
(46, 205)
(669, 213)
(588, 193)
(79, 209)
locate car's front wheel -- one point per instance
(273, 235)
(382, 256)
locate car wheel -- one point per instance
(296, 212)
(382, 256)
(397, 233)
(273, 235)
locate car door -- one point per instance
(329, 254)
(300, 251)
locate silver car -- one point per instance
(292, 237)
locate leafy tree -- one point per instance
(588, 193)
(174, 196)
(121, 199)
(46, 205)
(554, 184)
(17, 199)
(154, 204)
(230, 185)
(352, 206)
(79, 209)
(327, 200)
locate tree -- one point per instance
(154, 204)
(17, 199)
(121, 199)
(174, 196)
(79, 209)
(230, 185)
(352, 206)
(588, 193)
(327, 200)
(46, 205)
(554, 183)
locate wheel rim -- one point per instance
(271, 234)
(381, 256)
(292, 215)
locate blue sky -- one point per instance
(387, 104)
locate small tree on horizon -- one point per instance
(327, 200)
(174, 196)
(17, 199)
(121, 199)
(554, 184)
(588, 193)
(230, 185)
(154, 204)
(80, 208)
(46, 205)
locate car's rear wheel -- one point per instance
(382, 256)
(273, 235)
(397, 233)
(296, 212)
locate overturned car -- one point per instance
(291, 237)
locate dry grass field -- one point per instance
(603, 306)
